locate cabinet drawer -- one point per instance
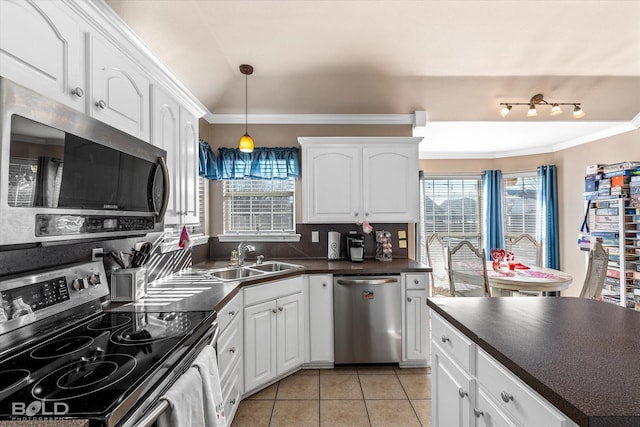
(458, 347)
(488, 414)
(231, 392)
(416, 281)
(516, 398)
(229, 312)
(229, 347)
(272, 290)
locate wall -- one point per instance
(571, 165)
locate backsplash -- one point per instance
(307, 249)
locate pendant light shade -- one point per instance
(246, 142)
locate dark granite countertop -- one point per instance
(582, 355)
(222, 292)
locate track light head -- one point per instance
(504, 111)
(555, 110)
(577, 112)
(532, 111)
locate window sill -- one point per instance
(262, 237)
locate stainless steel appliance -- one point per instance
(367, 319)
(65, 175)
(355, 247)
(63, 357)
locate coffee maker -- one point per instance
(355, 247)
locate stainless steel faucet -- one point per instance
(243, 248)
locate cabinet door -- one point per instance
(166, 135)
(415, 333)
(390, 183)
(332, 182)
(321, 318)
(120, 92)
(290, 333)
(42, 48)
(259, 344)
(452, 390)
(189, 166)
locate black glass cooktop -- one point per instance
(88, 370)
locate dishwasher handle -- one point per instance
(377, 281)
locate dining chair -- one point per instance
(527, 250)
(596, 272)
(437, 259)
(467, 271)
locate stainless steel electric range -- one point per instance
(63, 357)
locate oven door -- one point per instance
(154, 406)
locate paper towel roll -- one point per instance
(333, 245)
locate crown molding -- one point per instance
(312, 119)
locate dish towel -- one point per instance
(185, 402)
(207, 364)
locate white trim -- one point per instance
(341, 140)
(615, 129)
(636, 121)
(312, 119)
(279, 237)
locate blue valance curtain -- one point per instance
(262, 163)
(548, 207)
(207, 167)
(492, 209)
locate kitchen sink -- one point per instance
(234, 273)
(273, 266)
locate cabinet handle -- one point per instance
(462, 393)
(445, 338)
(478, 413)
(274, 310)
(232, 349)
(101, 104)
(77, 92)
(506, 397)
(409, 299)
(280, 308)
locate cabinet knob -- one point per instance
(366, 214)
(444, 338)
(77, 92)
(274, 310)
(506, 397)
(324, 285)
(478, 413)
(233, 401)
(101, 104)
(416, 281)
(355, 214)
(462, 393)
(409, 299)
(232, 349)
(232, 313)
(280, 308)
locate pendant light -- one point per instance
(246, 142)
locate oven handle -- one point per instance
(152, 416)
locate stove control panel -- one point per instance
(26, 299)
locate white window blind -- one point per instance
(520, 207)
(255, 205)
(451, 208)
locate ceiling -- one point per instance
(456, 60)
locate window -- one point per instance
(256, 205)
(520, 205)
(451, 208)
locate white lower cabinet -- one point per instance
(321, 320)
(230, 349)
(415, 334)
(452, 392)
(274, 331)
(471, 388)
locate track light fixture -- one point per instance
(538, 99)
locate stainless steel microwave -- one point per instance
(65, 175)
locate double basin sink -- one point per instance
(243, 272)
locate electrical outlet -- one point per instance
(95, 252)
(315, 237)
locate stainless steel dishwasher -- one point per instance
(367, 319)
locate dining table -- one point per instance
(504, 282)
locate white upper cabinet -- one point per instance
(176, 131)
(120, 91)
(360, 178)
(42, 48)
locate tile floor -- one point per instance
(344, 396)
